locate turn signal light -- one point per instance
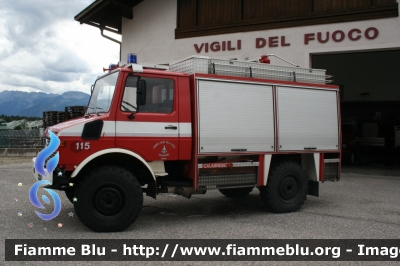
(63, 143)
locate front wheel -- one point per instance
(109, 199)
(286, 189)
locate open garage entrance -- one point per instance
(370, 103)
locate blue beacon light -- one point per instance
(111, 67)
(132, 59)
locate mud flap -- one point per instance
(313, 188)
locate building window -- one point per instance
(210, 17)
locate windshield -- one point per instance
(102, 94)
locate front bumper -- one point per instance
(36, 175)
(58, 179)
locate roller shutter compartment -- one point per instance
(308, 119)
(235, 117)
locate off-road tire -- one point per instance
(286, 189)
(236, 192)
(108, 199)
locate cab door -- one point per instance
(150, 130)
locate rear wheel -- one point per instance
(236, 192)
(109, 199)
(286, 189)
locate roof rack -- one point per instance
(232, 67)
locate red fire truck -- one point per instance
(203, 124)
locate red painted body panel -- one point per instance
(184, 104)
(276, 121)
(151, 147)
(340, 138)
(260, 181)
(194, 162)
(321, 167)
(70, 157)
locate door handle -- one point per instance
(171, 127)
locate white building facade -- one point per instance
(151, 34)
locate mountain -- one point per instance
(33, 104)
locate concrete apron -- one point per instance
(19, 152)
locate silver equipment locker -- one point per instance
(307, 119)
(235, 117)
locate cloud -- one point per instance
(27, 22)
(25, 83)
(51, 75)
(89, 79)
(31, 26)
(42, 48)
(65, 60)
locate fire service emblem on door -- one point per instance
(163, 148)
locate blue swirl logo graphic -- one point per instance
(46, 170)
(35, 201)
(45, 153)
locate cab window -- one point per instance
(159, 96)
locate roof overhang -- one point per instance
(107, 14)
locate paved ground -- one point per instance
(14, 160)
(364, 204)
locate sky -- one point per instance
(43, 49)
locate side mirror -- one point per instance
(141, 92)
(91, 89)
